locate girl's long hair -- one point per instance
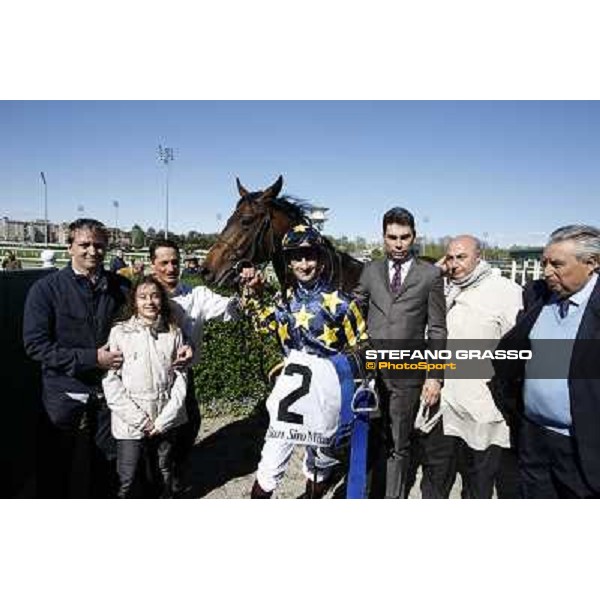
(166, 313)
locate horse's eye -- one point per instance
(246, 221)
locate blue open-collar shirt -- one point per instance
(547, 401)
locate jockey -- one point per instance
(312, 318)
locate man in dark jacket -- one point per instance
(553, 399)
(67, 319)
(403, 297)
(118, 262)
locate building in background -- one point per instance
(12, 231)
(529, 253)
(118, 238)
(58, 233)
(317, 215)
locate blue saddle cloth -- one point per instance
(354, 426)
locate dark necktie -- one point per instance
(397, 278)
(563, 307)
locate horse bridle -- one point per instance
(257, 241)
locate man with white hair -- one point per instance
(481, 305)
(555, 396)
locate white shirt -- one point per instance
(201, 304)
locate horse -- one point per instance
(253, 233)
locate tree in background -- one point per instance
(199, 241)
(150, 235)
(376, 253)
(138, 237)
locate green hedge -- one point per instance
(232, 375)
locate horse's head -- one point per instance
(248, 235)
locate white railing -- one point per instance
(519, 272)
(29, 254)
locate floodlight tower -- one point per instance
(45, 207)
(425, 231)
(116, 207)
(165, 156)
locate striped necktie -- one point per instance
(397, 279)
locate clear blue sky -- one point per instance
(515, 170)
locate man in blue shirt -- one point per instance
(558, 395)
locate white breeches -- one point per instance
(276, 455)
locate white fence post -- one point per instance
(524, 273)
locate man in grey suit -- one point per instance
(404, 300)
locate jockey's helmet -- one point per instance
(302, 236)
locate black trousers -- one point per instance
(145, 467)
(507, 479)
(437, 454)
(391, 440)
(77, 462)
(549, 466)
(185, 436)
(443, 456)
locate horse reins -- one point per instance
(255, 244)
(258, 241)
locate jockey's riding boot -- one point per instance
(315, 490)
(258, 493)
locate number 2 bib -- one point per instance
(304, 406)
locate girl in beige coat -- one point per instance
(147, 394)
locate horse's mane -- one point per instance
(296, 208)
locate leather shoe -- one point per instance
(314, 490)
(258, 493)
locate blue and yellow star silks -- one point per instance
(331, 301)
(303, 317)
(329, 336)
(320, 320)
(282, 332)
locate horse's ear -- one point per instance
(273, 191)
(241, 189)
